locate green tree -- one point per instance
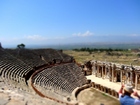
(21, 46)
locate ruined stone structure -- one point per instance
(48, 72)
(114, 72)
(56, 76)
(0, 45)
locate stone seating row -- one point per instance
(61, 77)
(50, 54)
(78, 74)
(50, 83)
(66, 72)
(60, 70)
(12, 68)
(52, 79)
(27, 56)
(34, 57)
(14, 71)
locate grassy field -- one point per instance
(122, 57)
(93, 97)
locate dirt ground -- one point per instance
(127, 57)
(93, 97)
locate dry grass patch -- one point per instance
(93, 97)
(125, 57)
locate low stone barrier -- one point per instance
(111, 92)
(105, 89)
(78, 90)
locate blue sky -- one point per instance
(45, 22)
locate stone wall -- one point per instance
(114, 72)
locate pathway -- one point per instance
(105, 82)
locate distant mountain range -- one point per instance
(83, 45)
(87, 45)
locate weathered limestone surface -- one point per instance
(15, 96)
(24, 72)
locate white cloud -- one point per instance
(41, 38)
(87, 33)
(59, 38)
(35, 37)
(32, 39)
(134, 35)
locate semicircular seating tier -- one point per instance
(63, 74)
(51, 54)
(12, 68)
(63, 78)
(39, 57)
(27, 56)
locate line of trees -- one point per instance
(98, 49)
